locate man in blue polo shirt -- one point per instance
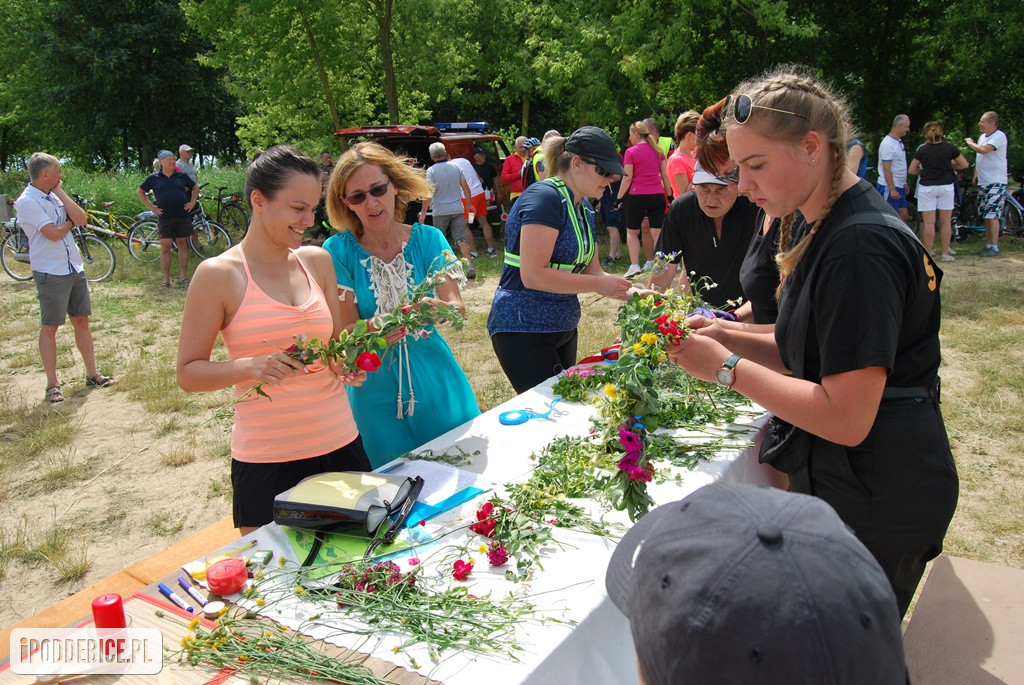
(176, 195)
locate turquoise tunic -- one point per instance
(419, 392)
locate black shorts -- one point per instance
(256, 485)
(174, 227)
(636, 207)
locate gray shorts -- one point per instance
(62, 296)
(456, 222)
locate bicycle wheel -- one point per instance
(14, 256)
(209, 239)
(235, 220)
(1012, 220)
(144, 241)
(97, 257)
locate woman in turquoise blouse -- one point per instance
(419, 392)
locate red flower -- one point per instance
(368, 361)
(485, 511)
(641, 473)
(497, 554)
(485, 528)
(461, 569)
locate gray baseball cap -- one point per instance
(165, 154)
(746, 584)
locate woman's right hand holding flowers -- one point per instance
(273, 368)
(615, 287)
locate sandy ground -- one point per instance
(128, 505)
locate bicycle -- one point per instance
(109, 224)
(967, 223)
(231, 212)
(208, 237)
(97, 256)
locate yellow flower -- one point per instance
(483, 549)
(662, 357)
(281, 561)
(193, 624)
(395, 649)
(611, 390)
(299, 589)
(186, 642)
(260, 601)
(648, 338)
(639, 348)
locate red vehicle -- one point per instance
(458, 138)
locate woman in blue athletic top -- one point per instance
(551, 257)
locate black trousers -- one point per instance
(531, 358)
(897, 490)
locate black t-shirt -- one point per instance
(486, 172)
(935, 161)
(690, 231)
(759, 274)
(172, 192)
(875, 299)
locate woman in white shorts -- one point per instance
(936, 162)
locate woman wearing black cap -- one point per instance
(550, 258)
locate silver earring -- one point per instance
(813, 162)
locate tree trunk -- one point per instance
(526, 115)
(331, 104)
(382, 12)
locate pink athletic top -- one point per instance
(680, 163)
(307, 415)
(646, 170)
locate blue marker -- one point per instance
(169, 594)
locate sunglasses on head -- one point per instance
(741, 106)
(598, 169)
(359, 197)
(733, 176)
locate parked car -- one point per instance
(458, 138)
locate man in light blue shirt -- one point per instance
(47, 215)
(450, 188)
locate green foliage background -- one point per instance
(106, 85)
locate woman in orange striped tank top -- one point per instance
(258, 295)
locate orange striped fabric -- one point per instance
(307, 415)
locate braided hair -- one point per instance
(790, 90)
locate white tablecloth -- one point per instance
(599, 649)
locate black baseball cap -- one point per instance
(746, 584)
(594, 144)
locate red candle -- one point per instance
(227, 576)
(108, 611)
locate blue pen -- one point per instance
(169, 594)
(192, 592)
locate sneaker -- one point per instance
(609, 261)
(633, 271)
(474, 254)
(947, 258)
(648, 265)
(470, 272)
(165, 286)
(491, 252)
(988, 251)
(952, 252)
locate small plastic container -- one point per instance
(226, 576)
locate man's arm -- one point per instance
(980, 149)
(74, 212)
(508, 171)
(887, 172)
(146, 201)
(853, 157)
(423, 210)
(195, 198)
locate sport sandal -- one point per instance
(53, 393)
(98, 381)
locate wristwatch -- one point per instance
(727, 374)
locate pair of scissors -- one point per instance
(518, 416)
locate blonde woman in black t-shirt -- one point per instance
(857, 419)
(936, 161)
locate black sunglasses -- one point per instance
(597, 167)
(741, 107)
(377, 191)
(402, 504)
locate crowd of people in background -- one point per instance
(762, 198)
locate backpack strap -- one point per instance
(583, 227)
(802, 311)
